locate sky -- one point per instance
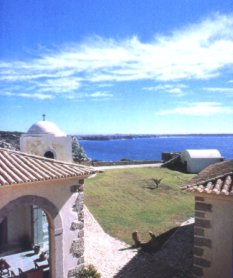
(117, 66)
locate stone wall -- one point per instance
(201, 242)
(77, 226)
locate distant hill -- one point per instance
(133, 136)
(113, 136)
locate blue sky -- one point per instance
(117, 66)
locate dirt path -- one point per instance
(102, 250)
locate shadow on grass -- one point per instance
(171, 258)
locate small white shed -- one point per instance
(197, 160)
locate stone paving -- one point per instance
(106, 253)
(23, 260)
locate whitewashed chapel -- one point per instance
(44, 138)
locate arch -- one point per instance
(55, 227)
(49, 154)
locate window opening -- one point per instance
(49, 154)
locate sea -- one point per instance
(151, 148)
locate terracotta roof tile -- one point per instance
(17, 167)
(215, 179)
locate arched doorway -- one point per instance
(54, 224)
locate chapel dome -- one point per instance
(45, 127)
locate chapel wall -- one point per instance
(39, 145)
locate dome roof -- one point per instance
(45, 127)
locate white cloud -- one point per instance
(59, 85)
(198, 51)
(29, 95)
(100, 94)
(104, 85)
(36, 96)
(198, 109)
(225, 90)
(176, 89)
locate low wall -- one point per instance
(116, 163)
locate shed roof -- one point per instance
(17, 168)
(216, 179)
(203, 153)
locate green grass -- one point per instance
(122, 201)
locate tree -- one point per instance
(78, 151)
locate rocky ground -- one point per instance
(114, 258)
(9, 140)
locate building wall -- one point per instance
(213, 233)
(195, 165)
(40, 144)
(67, 239)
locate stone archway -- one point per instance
(55, 228)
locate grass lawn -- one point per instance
(123, 201)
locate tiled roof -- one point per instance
(18, 167)
(216, 179)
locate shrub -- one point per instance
(125, 159)
(89, 271)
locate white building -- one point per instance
(56, 187)
(197, 160)
(44, 138)
(41, 200)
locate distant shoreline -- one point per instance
(135, 136)
(120, 136)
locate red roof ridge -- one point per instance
(216, 179)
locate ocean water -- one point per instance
(151, 148)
